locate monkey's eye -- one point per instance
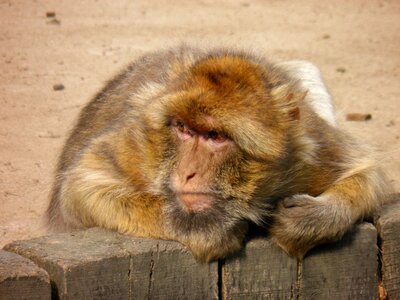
(180, 126)
(183, 131)
(215, 136)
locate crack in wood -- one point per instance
(296, 288)
(221, 294)
(151, 279)
(130, 276)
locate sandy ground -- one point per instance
(355, 43)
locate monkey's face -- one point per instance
(204, 171)
(201, 150)
(213, 182)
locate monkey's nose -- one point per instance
(190, 176)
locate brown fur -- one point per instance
(140, 160)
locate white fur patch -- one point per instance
(311, 81)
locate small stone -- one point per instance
(341, 70)
(58, 87)
(50, 14)
(358, 117)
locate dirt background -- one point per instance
(355, 43)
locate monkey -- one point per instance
(194, 145)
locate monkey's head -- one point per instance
(222, 136)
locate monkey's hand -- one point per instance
(302, 222)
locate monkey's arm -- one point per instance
(93, 193)
(303, 221)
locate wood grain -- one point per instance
(20, 278)
(388, 225)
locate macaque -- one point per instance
(193, 146)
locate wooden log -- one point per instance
(347, 269)
(105, 265)
(175, 274)
(388, 225)
(98, 264)
(260, 271)
(20, 278)
(88, 264)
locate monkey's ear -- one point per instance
(294, 114)
(287, 98)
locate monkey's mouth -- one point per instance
(197, 213)
(195, 202)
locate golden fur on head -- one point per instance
(191, 145)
